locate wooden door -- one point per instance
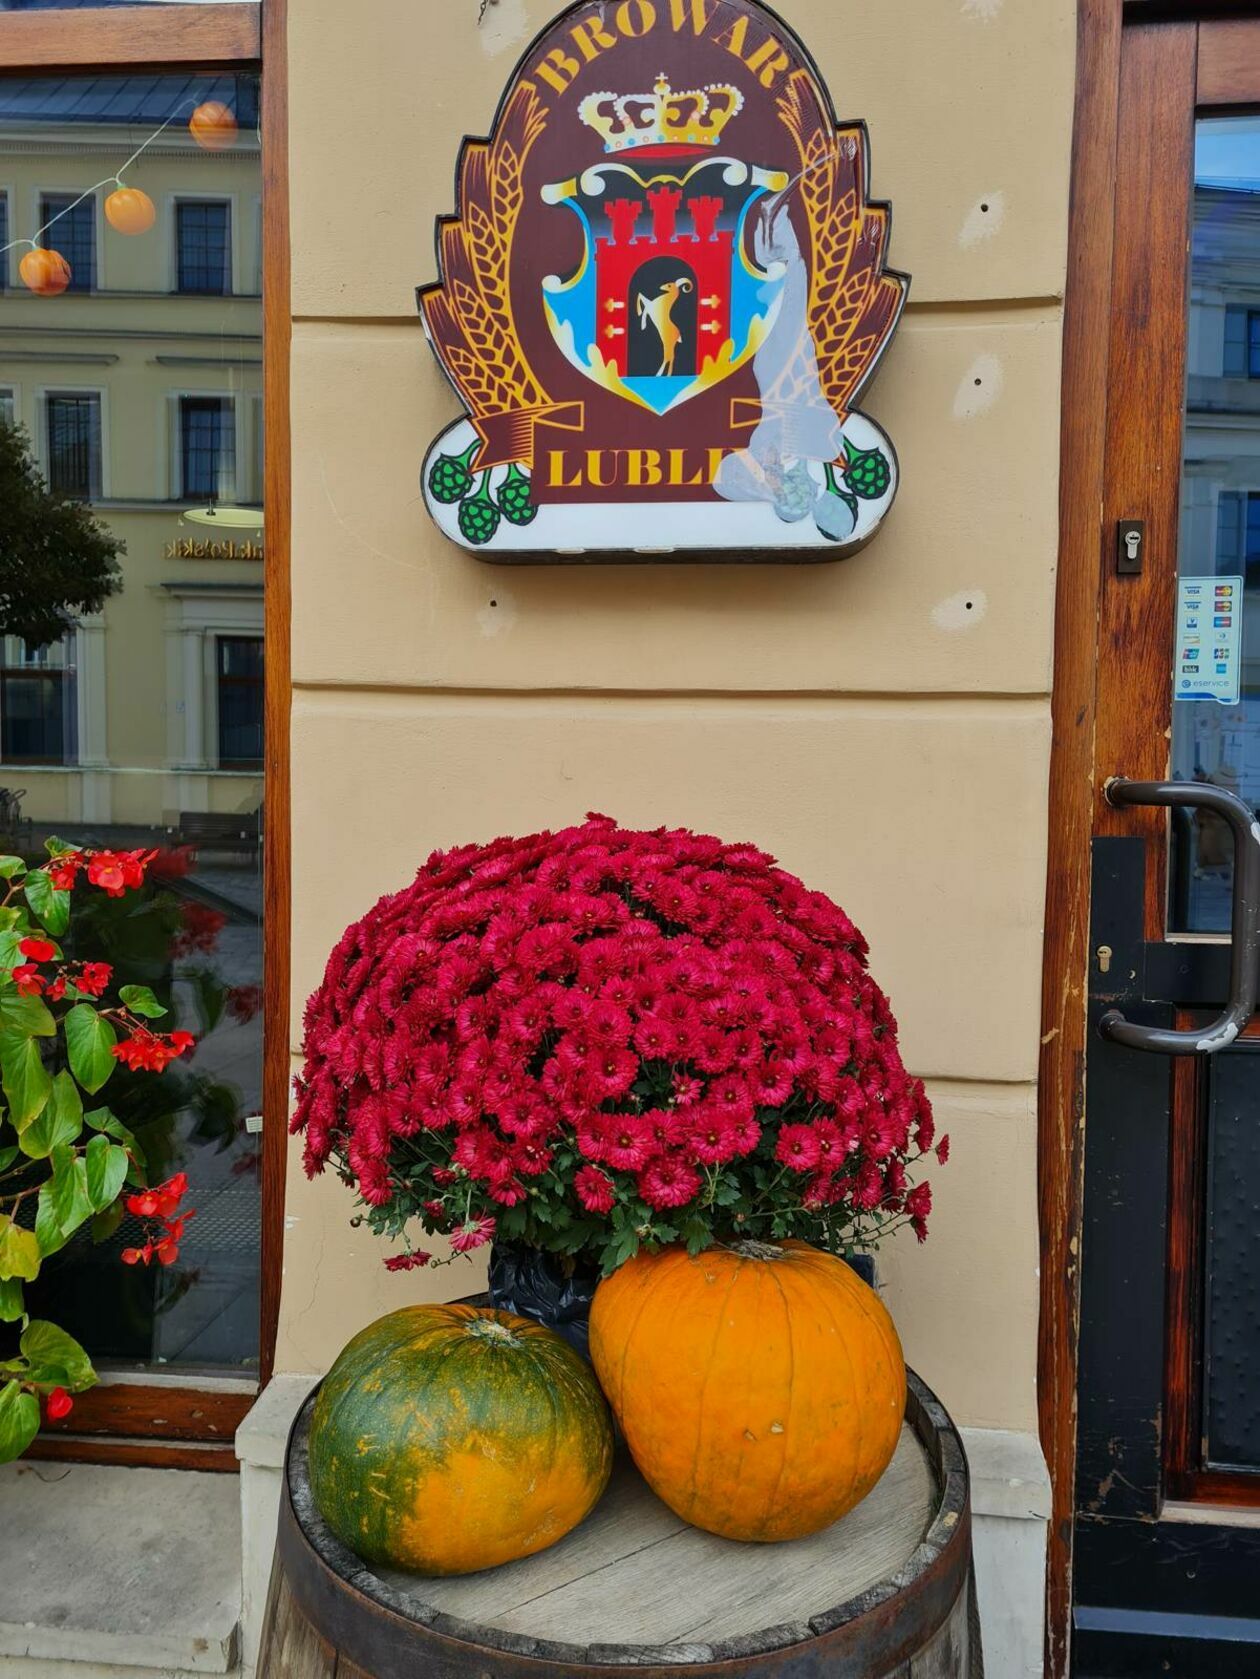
(1165, 1529)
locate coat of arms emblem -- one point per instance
(661, 296)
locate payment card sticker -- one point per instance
(1209, 639)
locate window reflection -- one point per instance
(137, 388)
(1216, 665)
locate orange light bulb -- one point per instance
(47, 273)
(130, 211)
(213, 126)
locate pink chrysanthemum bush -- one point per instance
(590, 1040)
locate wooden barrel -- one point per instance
(886, 1593)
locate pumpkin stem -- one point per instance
(486, 1329)
(750, 1249)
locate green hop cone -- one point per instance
(514, 498)
(866, 471)
(795, 493)
(451, 475)
(478, 516)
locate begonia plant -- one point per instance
(66, 1160)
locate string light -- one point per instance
(128, 210)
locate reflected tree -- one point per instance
(57, 560)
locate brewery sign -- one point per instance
(661, 296)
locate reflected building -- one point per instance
(140, 388)
(1215, 741)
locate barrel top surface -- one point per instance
(634, 1577)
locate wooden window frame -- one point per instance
(1227, 74)
(179, 1424)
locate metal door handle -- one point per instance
(1244, 919)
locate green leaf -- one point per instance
(19, 1252)
(60, 1123)
(8, 1156)
(19, 1421)
(140, 1000)
(50, 1348)
(11, 866)
(12, 1305)
(106, 1172)
(27, 1085)
(25, 1017)
(100, 1119)
(64, 1204)
(10, 955)
(50, 905)
(89, 1040)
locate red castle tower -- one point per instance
(701, 253)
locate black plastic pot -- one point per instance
(533, 1284)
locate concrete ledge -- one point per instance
(260, 1443)
(1008, 1474)
(1010, 1506)
(262, 1436)
(137, 1570)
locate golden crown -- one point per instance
(629, 121)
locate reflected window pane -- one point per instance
(204, 260)
(208, 447)
(69, 226)
(137, 392)
(74, 444)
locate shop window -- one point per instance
(38, 703)
(74, 444)
(4, 240)
(207, 448)
(73, 233)
(203, 234)
(115, 742)
(240, 701)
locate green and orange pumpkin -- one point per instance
(760, 1386)
(446, 1439)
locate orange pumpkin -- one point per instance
(45, 272)
(130, 211)
(213, 126)
(760, 1387)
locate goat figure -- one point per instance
(660, 311)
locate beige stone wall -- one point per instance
(881, 725)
